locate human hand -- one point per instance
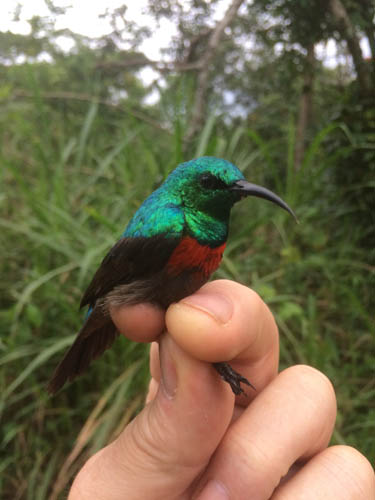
(194, 439)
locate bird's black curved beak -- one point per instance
(245, 188)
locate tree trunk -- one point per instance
(370, 33)
(305, 104)
(348, 33)
(200, 100)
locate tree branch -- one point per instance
(194, 43)
(347, 31)
(199, 106)
(144, 61)
(73, 96)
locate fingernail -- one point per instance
(213, 491)
(168, 369)
(216, 305)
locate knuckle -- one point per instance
(313, 379)
(357, 470)
(315, 393)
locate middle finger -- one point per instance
(291, 419)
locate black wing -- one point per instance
(128, 260)
(96, 335)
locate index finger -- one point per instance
(139, 322)
(226, 321)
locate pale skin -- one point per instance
(195, 440)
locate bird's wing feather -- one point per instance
(96, 335)
(130, 259)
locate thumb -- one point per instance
(166, 447)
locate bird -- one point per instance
(169, 249)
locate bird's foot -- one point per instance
(233, 378)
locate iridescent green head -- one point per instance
(205, 184)
(212, 185)
(196, 199)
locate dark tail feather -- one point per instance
(96, 335)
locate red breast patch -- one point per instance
(189, 254)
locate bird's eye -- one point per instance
(209, 181)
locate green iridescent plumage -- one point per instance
(182, 205)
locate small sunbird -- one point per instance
(170, 248)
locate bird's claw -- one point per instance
(233, 378)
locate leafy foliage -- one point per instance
(78, 157)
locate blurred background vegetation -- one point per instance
(83, 143)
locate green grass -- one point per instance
(67, 193)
